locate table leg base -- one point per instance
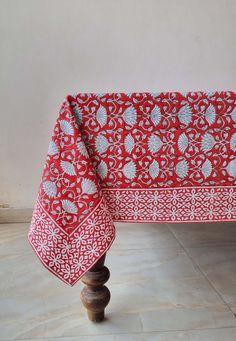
(95, 296)
(96, 317)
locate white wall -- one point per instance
(50, 48)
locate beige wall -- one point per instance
(50, 48)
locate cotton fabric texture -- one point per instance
(143, 157)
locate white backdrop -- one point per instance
(50, 48)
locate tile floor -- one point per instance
(168, 282)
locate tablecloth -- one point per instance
(136, 157)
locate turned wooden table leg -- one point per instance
(95, 296)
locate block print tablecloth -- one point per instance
(144, 157)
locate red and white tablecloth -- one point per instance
(144, 157)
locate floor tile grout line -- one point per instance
(218, 244)
(122, 333)
(202, 272)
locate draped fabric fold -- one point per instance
(138, 157)
(71, 226)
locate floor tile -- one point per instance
(219, 266)
(187, 318)
(205, 234)
(163, 283)
(75, 338)
(227, 334)
(158, 293)
(13, 239)
(143, 236)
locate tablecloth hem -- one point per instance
(69, 257)
(172, 205)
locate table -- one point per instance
(135, 157)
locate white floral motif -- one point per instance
(67, 272)
(62, 258)
(65, 247)
(78, 114)
(42, 245)
(102, 144)
(156, 115)
(231, 168)
(185, 114)
(233, 114)
(93, 250)
(79, 264)
(233, 142)
(80, 239)
(55, 260)
(212, 196)
(66, 127)
(154, 169)
(210, 114)
(50, 189)
(208, 142)
(52, 149)
(101, 115)
(183, 142)
(129, 170)
(129, 143)
(130, 116)
(69, 206)
(182, 169)
(102, 170)
(154, 143)
(53, 234)
(88, 186)
(68, 168)
(82, 148)
(176, 204)
(206, 168)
